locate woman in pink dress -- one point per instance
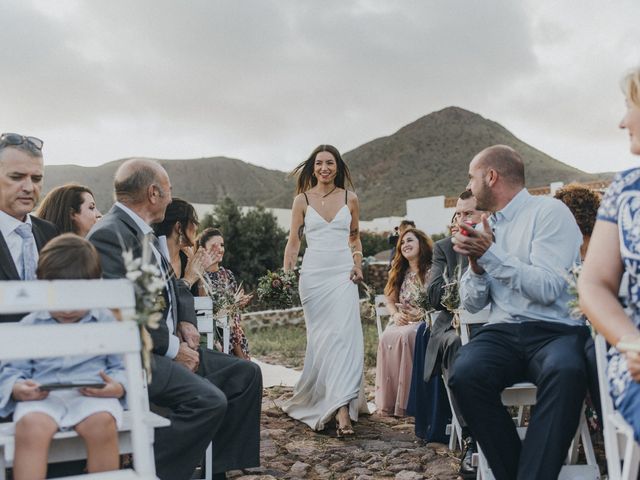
(407, 278)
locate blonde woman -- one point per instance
(614, 252)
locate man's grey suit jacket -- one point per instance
(444, 261)
(117, 232)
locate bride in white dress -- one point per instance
(327, 214)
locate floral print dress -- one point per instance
(621, 205)
(223, 280)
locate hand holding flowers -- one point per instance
(277, 289)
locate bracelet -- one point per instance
(357, 252)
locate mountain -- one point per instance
(431, 157)
(425, 158)
(202, 180)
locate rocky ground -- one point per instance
(384, 447)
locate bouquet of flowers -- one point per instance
(451, 296)
(369, 309)
(148, 284)
(572, 288)
(225, 301)
(423, 303)
(277, 289)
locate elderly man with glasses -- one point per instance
(21, 235)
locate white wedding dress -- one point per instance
(334, 361)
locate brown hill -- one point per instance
(427, 157)
(203, 180)
(431, 157)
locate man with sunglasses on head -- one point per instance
(21, 235)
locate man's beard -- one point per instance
(484, 199)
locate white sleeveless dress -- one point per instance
(334, 360)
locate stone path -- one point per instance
(383, 448)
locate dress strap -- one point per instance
(346, 192)
(305, 197)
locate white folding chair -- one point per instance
(38, 341)
(381, 311)
(454, 430)
(524, 394)
(206, 324)
(622, 451)
(204, 312)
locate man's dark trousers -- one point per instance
(550, 355)
(220, 404)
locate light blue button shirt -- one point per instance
(75, 369)
(537, 241)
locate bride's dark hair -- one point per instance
(304, 172)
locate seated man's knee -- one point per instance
(251, 372)
(464, 372)
(570, 375)
(213, 402)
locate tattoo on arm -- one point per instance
(353, 233)
(301, 231)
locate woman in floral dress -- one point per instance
(222, 284)
(407, 278)
(614, 253)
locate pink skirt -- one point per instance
(393, 368)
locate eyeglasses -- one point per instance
(17, 139)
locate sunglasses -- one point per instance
(17, 139)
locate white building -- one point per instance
(431, 214)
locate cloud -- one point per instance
(267, 80)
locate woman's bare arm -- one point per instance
(354, 237)
(295, 234)
(599, 284)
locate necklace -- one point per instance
(327, 194)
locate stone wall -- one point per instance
(376, 275)
(274, 318)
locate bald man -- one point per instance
(210, 395)
(518, 263)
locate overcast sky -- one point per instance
(267, 80)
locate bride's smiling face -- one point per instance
(409, 246)
(325, 167)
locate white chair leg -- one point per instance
(456, 428)
(453, 433)
(631, 460)
(3, 467)
(520, 416)
(572, 455)
(589, 453)
(226, 334)
(208, 462)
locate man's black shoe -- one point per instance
(467, 470)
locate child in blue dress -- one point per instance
(94, 413)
